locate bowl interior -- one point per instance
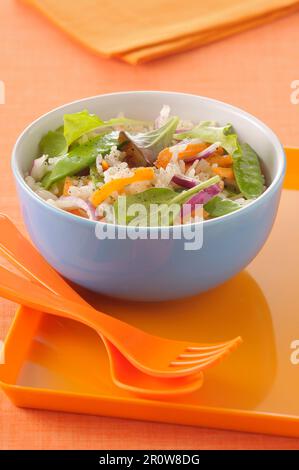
(146, 106)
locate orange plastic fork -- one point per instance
(22, 254)
(156, 356)
(153, 355)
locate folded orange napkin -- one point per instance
(140, 30)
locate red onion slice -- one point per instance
(184, 181)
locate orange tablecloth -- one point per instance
(41, 69)
(142, 31)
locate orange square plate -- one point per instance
(61, 365)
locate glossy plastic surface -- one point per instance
(22, 255)
(152, 354)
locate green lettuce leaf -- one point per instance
(209, 132)
(78, 124)
(53, 144)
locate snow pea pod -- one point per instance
(79, 158)
(247, 171)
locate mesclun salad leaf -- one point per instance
(207, 131)
(53, 144)
(247, 171)
(78, 124)
(218, 206)
(134, 155)
(80, 157)
(146, 146)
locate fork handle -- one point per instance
(20, 290)
(26, 257)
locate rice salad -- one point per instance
(89, 167)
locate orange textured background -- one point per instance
(41, 69)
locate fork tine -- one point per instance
(194, 363)
(216, 359)
(201, 363)
(210, 359)
(212, 347)
(203, 355)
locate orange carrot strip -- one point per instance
(189, 151)
(140, 174)
(221, 160)
(164, 158)
(224, 172)
(105, 165)
(67, 184)
(219, 151)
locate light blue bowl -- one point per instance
(151, 269)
